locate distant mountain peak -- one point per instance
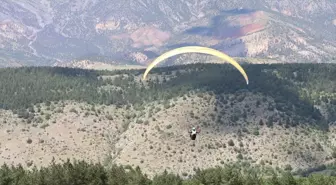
(43, 32)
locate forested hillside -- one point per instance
(284, 119)
(299, 90)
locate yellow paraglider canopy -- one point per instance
(196, 49)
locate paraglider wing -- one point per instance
(196, 49)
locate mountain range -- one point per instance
(45, 32)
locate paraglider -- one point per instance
(193, 132)
(196, 49)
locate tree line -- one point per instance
(83, 173)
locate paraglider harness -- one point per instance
(193, 132)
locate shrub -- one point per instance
(230, 142)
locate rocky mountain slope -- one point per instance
(285, 118)
(44, 32)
